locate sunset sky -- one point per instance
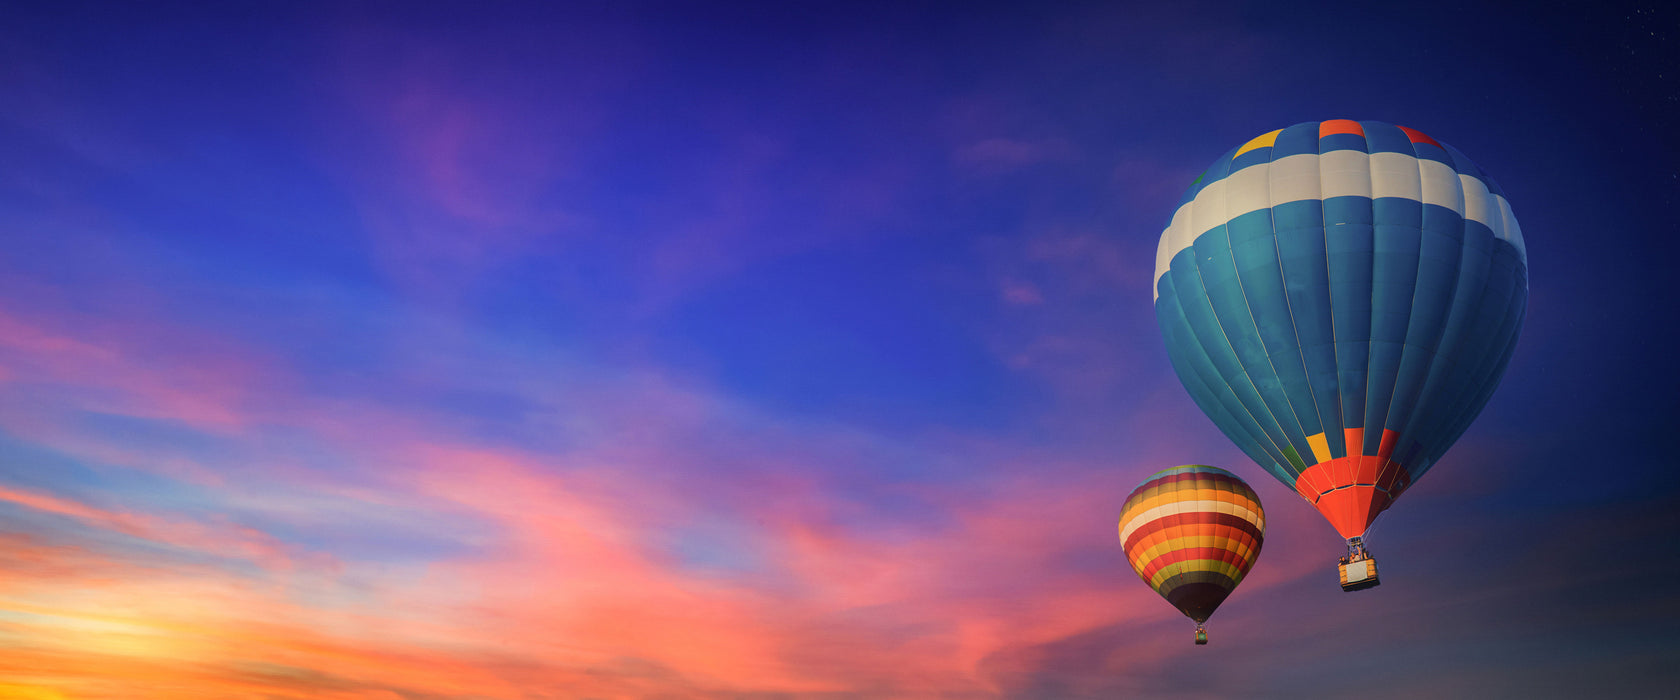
(789, 350)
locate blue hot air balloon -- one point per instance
(1341, 298)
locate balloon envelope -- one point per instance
(1341, 298)
(1192, 533)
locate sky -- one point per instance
(406, 351)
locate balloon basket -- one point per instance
(1358, 570)
(1201, 635)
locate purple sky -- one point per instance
(783, 351)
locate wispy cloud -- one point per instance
(573, 571)
(145, 369)
(524, 353)
(998, 154)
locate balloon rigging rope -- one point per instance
(1367, 536)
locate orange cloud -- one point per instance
(577, 595)
(220, 539)
(566, 571)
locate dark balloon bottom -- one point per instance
(1198, 600)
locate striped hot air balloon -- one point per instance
(1192, 533)
(1341, 298)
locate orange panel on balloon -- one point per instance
(1331, 127)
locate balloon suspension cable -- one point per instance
(1368, 530)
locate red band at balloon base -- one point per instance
(1351, 491)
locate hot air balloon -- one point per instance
(1341, 298)
(1192, 533)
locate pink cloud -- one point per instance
(997, 154)
(577, 578)
(147, 369)
(565, 576)
(216, 538)
(459, 167)
(1021, 293)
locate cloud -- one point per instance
(218, 539)
(567, 565)
(460, 166)
(999, 155)
(1020, 293)
(371, 543)
(135, 368)
(578, 591)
